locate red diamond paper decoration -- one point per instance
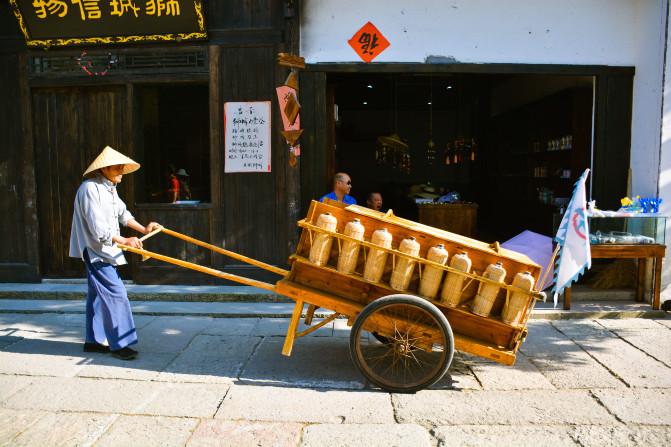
(368, 42)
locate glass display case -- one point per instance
(637, 229)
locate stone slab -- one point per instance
(629, 324)
(460, 375)
(277, 327)
(72, 324)
(8, 340)
(666, 322)
(65, 429)
(84, 395)
(521, 376)
(211, 359)
(655, 343)
(147, 366)
(148, 431)
(42, 357)
(622, 436)
(231, 326)
(500, 408)
(14, 422)
(170, 334)
(638, 406)
(185, 400)
(275, 404)
(340, 328)
(630, 364)
(220, 433)
(318, 362)
(497, 436)
(365, 435)
(563, 362)
(10, 384)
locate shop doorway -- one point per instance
(173, 137)
(71, 126)
(507, 147)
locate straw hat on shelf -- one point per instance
(110, 157)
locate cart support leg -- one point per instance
(310, 314)
(293, 325)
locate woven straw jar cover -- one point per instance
(377, 259)
(321, 246)
(432, 276)
(110, 157)
(349, 254)
(484, 300)
(454, 282)
(402, 274)
(518, 301)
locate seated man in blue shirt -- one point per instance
(342, 185)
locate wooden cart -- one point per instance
(399, 341)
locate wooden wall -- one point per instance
(18, 207)
(254, 214)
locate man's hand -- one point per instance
(130, 241)
(151, 226)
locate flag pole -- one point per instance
(550, 264)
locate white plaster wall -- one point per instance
(581, 32)
(665, 163)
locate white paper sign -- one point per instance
(247, 136)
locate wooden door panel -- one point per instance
(71, 126)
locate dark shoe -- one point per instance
(96, 347)
(125, 353)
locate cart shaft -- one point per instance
(199, 268)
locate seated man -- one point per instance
(342, 185)
(374, 201)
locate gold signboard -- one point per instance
(47, 23)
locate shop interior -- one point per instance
(174, 140)
(511, 144)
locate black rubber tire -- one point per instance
(443, 359)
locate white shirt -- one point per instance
(96, 218)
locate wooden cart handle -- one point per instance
(222, 251)
(147, 236)
(199, 268)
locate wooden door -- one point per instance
(317, 140)
(71, 126)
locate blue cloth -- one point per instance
(108, 313)
(349, 200)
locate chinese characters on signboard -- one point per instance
(75, 22)
(368, 42)
(247, 136)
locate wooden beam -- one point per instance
(293, 325)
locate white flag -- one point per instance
(573, 238)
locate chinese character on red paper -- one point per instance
(368, 42)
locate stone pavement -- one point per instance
(203, 381)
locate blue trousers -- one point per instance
(108, 313)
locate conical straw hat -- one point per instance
(110, 157)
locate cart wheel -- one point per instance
(402, 343)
